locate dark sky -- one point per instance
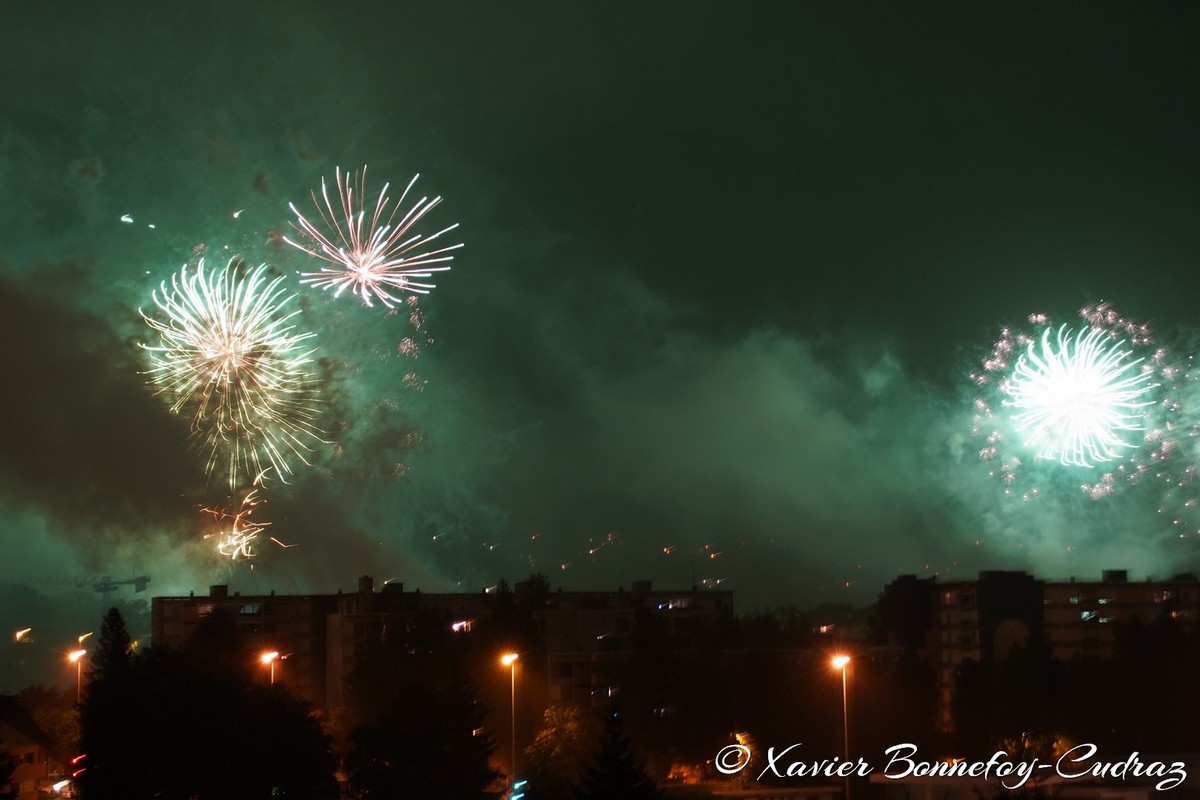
(726, 269)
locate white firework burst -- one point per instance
(230, 359)
(1077, 396)
(380, 257)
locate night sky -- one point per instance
(726, 270)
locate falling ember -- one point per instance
(230, 359)
(237, 541)
(377, 258)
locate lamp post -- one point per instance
(76, 658)
(269, 659)
(840, 663)
(510, 660)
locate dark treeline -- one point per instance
(196, 722)
(426, 707)
(1145, 698)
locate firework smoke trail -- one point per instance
(238, 541)
(373, 257)
(230, 359)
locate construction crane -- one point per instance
(101, 583)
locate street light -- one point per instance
(510, 660)
(840, 663)
(269, 659)
(76, 658)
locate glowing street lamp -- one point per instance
(840, 663)
(510, 660)
(76, 658)
(268, 659)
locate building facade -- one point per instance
(28, 747)
(320, 638)
(983, 619)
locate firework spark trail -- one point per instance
(1078, 397)
(374, 256)
(238, 541)
(230, 359)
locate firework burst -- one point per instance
(380, 257)
(1077, 398)
(1098, 399)
(229, 358)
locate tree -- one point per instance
(424, 651)
(113, 649)
(7, 765)
(560, 753)
(533, 594)
(427, 743)
(1145, 697)
(1016, 699)
(109, 716)
(616, 773)
(195, 724)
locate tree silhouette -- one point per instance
(423, 651)
(616, 773)
(7, 765)
(109, 718)
(1016, 699)
(427, 743)
(193, 724)
(111, 659)
(1145, 697)
(560, 753)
